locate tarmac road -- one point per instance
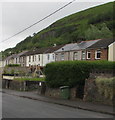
(17, 107)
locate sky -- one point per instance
(19, 14)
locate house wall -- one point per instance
(72, 55)
(104, 54)
(46, 60)
(36, 61)
(1, 63)
(23, 60)
(111, 52)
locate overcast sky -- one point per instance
(18, 15)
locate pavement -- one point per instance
(79, 104)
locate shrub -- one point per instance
(13, 65)
(29, 79)
(105, 87)
(72, 73)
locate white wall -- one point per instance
(46, 60)
(36, 61)
(111, 52)
(43, 59)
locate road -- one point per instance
(17, 107)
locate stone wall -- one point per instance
(56, 93)
(16, 69)
(20, 85)
(91, 90)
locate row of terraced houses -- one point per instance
(101, 49)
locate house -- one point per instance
(74, 51)
(79, 51)
(40, 57)
(64, 52)
(34, 57)
(99, 50)
(111, 52)
(1, 62)
(18, 59)
(49, 55)
(9, 59)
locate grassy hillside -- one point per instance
(92, 23)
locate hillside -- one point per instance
(92, 23)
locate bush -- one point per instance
(105, 87)
(13, 65)
(72, 73)
(29, 79)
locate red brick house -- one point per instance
(99, 50)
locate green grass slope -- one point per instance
(93, 23)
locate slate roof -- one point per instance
(103, 43)
(11, 56)
(85, 44)
(53, 49)
(66, 47)
(42, 50)
(37, 51)
(20, 54)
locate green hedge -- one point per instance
(29, 79)
(13, 65)
(72, 73)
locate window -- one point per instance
(16, 60)
(83, 55)
(38, 57)
(23, 59)
(48, 57)
(33, 58)
(29, 58)
(56, 57)
(62, 56)
(88, 55)
(53, 56)
(75, 56)
(98, 54)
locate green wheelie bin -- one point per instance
(64, 92)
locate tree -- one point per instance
(105, 32)
(92, 33)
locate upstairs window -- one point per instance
(98, 54)
(62, 56)
(38, 57)
(48, 57)
(83, 55)
(88, 55)
(53, 56)
(56, 57)
(33, 58)
(75, 56)
(29, 58)
(16, 60)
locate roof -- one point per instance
(103, 43)
(19, 54)
(53, 49)
(33, 52)
(66, 47)
(11, 56)
(85, 44)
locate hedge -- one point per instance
(13, 65)
(72, 73)
(29, 79)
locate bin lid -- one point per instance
(62, 87)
